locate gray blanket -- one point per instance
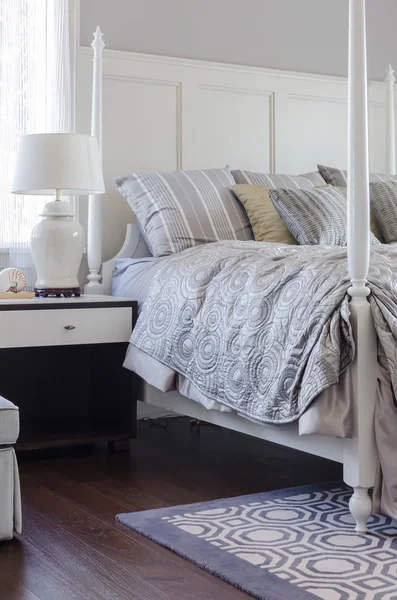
(261, 328)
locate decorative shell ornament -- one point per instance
(12, 280)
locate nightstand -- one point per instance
(61, 363)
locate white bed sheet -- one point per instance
(132, 277)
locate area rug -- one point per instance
(292, 544)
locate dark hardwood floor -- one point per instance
(72, 548)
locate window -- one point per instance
(35, 96)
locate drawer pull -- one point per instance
(69, 327)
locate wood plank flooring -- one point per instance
(72, 548)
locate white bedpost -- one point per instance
(390, 124)
(360, 457)
(94, 233)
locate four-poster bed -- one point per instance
(359, 453)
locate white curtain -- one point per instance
(35, 97)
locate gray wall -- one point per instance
(297, 35)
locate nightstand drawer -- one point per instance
(64, 326)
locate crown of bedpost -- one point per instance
(98, 44)
(390, 75)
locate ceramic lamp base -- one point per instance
(57, 292)
(57, 248)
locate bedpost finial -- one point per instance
(390, 75)
(98, 44)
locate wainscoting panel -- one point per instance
(377, 136)
(318, 123)
(242, 137)
(142, 134)
(144, 127)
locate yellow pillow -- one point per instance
(266, 224)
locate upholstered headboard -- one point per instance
(134, 247)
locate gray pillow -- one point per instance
(384, 209)
(314, 216)
(298, 182)
(338, 177)
(180, 209)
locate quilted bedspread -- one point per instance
(262, 328)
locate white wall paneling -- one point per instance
(146, 141)
(164, 113)
(320, 122)
(377, 136)
(243, 137)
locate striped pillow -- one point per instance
(338, 177)
(180, 209)
(384, 209)
(315, 178)
(373, 223)
(314, 216)
(297, 182)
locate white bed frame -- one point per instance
(359, 454)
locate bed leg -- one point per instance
(360, 457)
(361, 508)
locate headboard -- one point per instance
(162, 113)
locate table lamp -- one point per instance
(58, 164)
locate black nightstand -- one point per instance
(61, 363)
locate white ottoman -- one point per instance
(10, 493)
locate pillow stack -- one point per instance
(181, 209)
(300, 209)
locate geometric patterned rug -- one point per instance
(292, 544)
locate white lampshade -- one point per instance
(58, 161)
